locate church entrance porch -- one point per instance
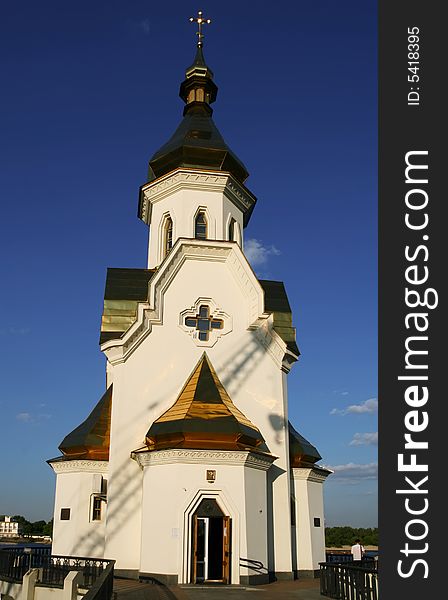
(210, 544)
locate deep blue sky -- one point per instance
(89, 92)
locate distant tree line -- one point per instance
(32, 528)
(336, 537)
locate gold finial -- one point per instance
(200, 20)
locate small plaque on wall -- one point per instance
(210, 476)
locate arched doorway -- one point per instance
(211, 550)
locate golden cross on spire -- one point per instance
(200, 20)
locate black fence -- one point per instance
(339, 557)
(103, 586)
(54, 570)
(15, 562)
(368, 562)
(346, 581)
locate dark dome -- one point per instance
(197, 142)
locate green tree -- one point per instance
(48, 529)
(335, 537)
(38, 527)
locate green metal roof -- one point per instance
(301, 451)
(197, 143)
(125, 288)
(276, 301)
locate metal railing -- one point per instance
(15, 562)
(102, 588)
(349, 582)
(255, 565)
(339, 557)
(368, 562)
(54, 570)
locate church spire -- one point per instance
(197, 143)
(198, 89)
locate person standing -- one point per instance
(357, 551)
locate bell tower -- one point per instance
(195, 186)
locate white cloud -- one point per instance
(365, 439)
(25, 417)
(370, 406)
(354, 473)
(257, 254)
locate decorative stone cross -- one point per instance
(200, 20)
(204, 322)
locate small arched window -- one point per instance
(168, 235)
(200, 226)
(232, 230)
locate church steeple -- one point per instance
(195, 187)
(198, 85)
(197, 143)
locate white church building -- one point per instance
(187, 470)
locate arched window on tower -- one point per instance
(200, 226)
(231, 233)
(168, 235)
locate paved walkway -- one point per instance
(304, 589)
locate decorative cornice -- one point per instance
(316, 474)
(79, 466)
(239, 195)
(271, 341)
(179, 179)
(205, 457)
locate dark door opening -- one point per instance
(211, 544)
(215, 546)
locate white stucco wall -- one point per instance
(256, 515)
(310, 540)
(152, 376)
(76, 481)
(182, 205)
(174, 484)
(124, 506)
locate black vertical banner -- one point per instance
(413, 257)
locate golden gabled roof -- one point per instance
(204, 416)
(91, 439)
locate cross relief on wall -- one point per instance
(205, 322)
